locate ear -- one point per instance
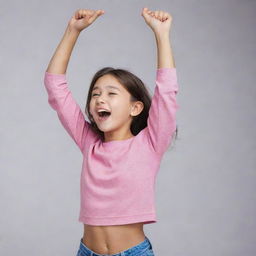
(137, 107)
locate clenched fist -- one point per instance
(82, 18)
(158, 21)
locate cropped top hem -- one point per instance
(119, 220)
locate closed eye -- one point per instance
(98, 94)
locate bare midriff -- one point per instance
(112, 239)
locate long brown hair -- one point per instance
(137, 90)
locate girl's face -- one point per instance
(112, 96)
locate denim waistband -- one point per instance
(133, 251)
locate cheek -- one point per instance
(91, 107)
(121, 109)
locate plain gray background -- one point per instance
(205, 190)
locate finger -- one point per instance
(80, 14)
(84, 13)
(145, 13)
(99, 12)
(89, 12)
(161, 13)
(76, 15)
(165, 16)
(94, 16)
(157, 14)
(152, 14)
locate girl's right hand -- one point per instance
(82, 18)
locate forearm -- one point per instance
(164, 51)
(59, 61)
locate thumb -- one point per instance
(95, 15)
(145, 13)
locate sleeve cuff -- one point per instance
(56, 75)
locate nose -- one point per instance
(100, 99)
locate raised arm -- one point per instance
(162, 113)
(59, 96)
(160, 23)
(164, 51)
(79, 21)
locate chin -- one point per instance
(108, 129)
(104, 129)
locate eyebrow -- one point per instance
(109, 86)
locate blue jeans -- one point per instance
(142, 249)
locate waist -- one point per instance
(112, 239)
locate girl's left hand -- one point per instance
(158, 21)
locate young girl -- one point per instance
(123, 143)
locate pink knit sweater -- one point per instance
(117, 183)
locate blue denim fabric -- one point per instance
(142, 249)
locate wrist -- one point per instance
(72, 30)
(163, 36)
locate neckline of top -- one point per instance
(116, 142)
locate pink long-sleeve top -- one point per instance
(117, 183)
